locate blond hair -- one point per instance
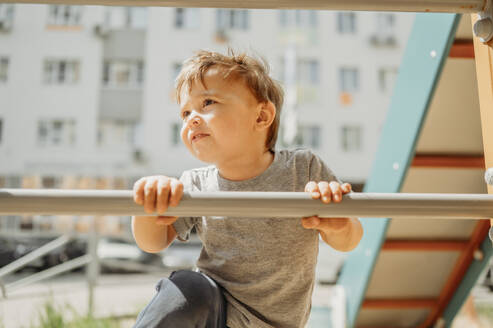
(253, 71)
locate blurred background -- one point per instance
(86, 102)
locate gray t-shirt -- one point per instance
(266, 266)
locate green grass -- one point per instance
(51, 316)
(485, 312)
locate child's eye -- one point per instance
(208, 102)
(185, 114)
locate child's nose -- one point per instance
(195, 120)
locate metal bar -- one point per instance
(427, 49)
(53, 271)
(458, 276)
(445, 6)
(484, 73)
(250, 204)
(424, 245)
(412, 303)
(19, 263)
(92, 269)
(463, 49)
(468, 281)
(448, 161)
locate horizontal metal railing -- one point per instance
(48, 273)
(451, 6)
(35, 254)
(250, 204)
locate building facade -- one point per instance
(86, 92)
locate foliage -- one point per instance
(53, 317)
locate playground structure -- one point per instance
(410, 272)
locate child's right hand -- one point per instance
(156, 193)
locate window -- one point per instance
(51, 182)
(56, 133)
(64, 15)
(346, 23)
(12, 181)
(386, 78)
(232, 19)
(308, 136)
(125, 17)
(123, 73)
(308, 71)
(348, 79)
(6, 16)
(384, 34)
(61, 71)
(351, 138)
(175, 134)
(4, 69)
(187, 18)
(116, 133)
(305, 77)
(298, 18)
(385, 23)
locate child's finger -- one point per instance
(335, 187)
(346, 187)
(310, 222)
(176, 192)
(163, 187)
(325, 191)
(150, 196)
(312, 188)
(138, 191)
(165, 220)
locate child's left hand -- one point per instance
(327, 192)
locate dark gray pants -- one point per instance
(187, 299)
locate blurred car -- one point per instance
(115, 255)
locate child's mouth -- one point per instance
(199, 136)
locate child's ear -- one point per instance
(266, 114)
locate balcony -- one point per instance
(121, 104)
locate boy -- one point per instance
(252, 273)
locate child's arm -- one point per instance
(150, 235)
(154, 233)
(343, 234)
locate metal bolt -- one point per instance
(440, 323)
(395, 166)
(488, 176)
(433, 54)
(483, 29)
(478, 255)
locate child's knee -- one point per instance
(195, 286)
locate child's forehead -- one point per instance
(214, 82)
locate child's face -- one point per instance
(218, 121)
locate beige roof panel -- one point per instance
(464, 30)
(410, 274)
(440, 180)
(453, 122)
(413, 229)
(380, 318)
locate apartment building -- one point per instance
(86, 92)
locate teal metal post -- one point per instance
(427, 48)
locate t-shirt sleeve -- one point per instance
(319, 171)
(184, 225)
